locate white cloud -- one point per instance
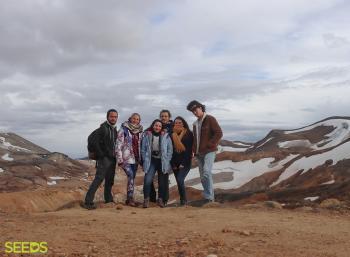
(257, 64)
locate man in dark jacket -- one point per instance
(165, 117)
(106, 160)
(207, 134)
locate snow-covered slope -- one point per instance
(318, 136)
(340, 133)
(12, 143)
(242, 172)
(231, 149)
(315, 155)
(305, 163)
(233, 146)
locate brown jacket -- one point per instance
(211, 134)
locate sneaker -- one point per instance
(145, 203)
(161, 203)
(89, 206)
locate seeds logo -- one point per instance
(26, 247)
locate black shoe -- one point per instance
(208, 201)
(109, 201)
(183, 202)
(161, 203)
(200, 203)
(89, 206)
(145, 203)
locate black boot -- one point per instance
(183, 202)
(89, 206)
(145, 203)
(161, 203)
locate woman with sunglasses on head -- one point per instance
(156, 152)
(182, 155)
(128, 151)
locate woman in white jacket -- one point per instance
(128, 151)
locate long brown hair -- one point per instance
(183, 122)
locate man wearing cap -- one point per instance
(207, 134)
(105, 145)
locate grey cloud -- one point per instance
(43, 37)
(249, 133)
(65, 102)
(333, 41)
(308, 110)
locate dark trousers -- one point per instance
(105, 170)
(163, 186)
(153, 193)
(180, 175)
(163, 180)
(164, 194)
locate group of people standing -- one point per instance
(166, 146)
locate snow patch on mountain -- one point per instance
(9, 146)
(329, 182)
(241, 144)
(243, 171)
(7, 157)
(339, 134)
(311, 198)
(231, 149)
(295, 143)
(57, 178)
(263, 143)
(52, 183)
(306, 163)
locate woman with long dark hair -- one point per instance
(182, 154)
(156, 152)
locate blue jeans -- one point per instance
(180, 175)
(130, 171)
(163, 180)
(205, 166)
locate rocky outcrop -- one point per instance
(26, 166)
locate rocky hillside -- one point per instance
(306, 164)
(26, 166)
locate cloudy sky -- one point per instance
(257, 65)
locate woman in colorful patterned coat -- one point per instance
(128, 151)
